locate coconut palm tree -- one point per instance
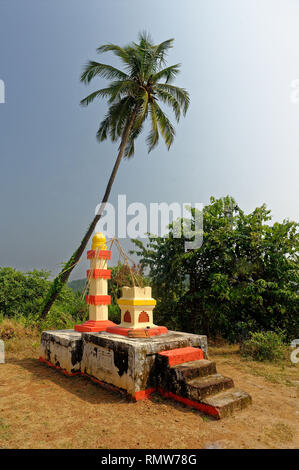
(133, 94)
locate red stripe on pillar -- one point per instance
(98, 299)
(104, 254)
(99, 273)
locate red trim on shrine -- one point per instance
(93, 326)
(143, 317)
(127, 317)
(98, 299)
(98, 273)
(137, 332)
(181, 355)
(104, 254)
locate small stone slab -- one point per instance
(192, 369)
(181, 355)
(201, 387)
(229, 401)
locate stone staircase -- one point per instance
(184, 375)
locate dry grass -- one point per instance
(281, 372)
(41, 408)
(19, 340)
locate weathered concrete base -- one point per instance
(127, 363)
(175, 364)
(62, 348)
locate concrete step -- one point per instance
(202, 387)
(173, 357)
(192, 369)
(226, 403)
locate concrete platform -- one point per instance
(63, 349)
(175, 364)
(127, 363)
(130, 363)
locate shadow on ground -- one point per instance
(87, 390)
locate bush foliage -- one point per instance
(22, 294)
(243, 278)
(263, 346)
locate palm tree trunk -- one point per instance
(63, 276)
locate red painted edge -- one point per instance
(157, 331)
(105, 385)
(181, 355)
(104, 254)
(94, 326)
(94, 379)
(64, 371)
(98, 299)
(99, 273)
(207, 409)
(143, 394)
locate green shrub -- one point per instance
(263, 346)
(244, 277)
(114, 313)
(21, 297)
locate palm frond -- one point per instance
(145, 39)
(115, 119)
(103, 93)
(130, 147)
(169, 99)
(134, 65)
(121, 107)
(103, 129)
(124, 112)
(169, 73)
(180, 94)
(153, 137)
(121, 87)
(93, 69)
(166, 128)
(136, 90)
(142, 110)
(121, 52)
(161, 49)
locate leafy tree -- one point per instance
(21, 296)
(133, 96)
(244, 277)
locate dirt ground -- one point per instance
(41, 408)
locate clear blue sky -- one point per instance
(240, 136)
